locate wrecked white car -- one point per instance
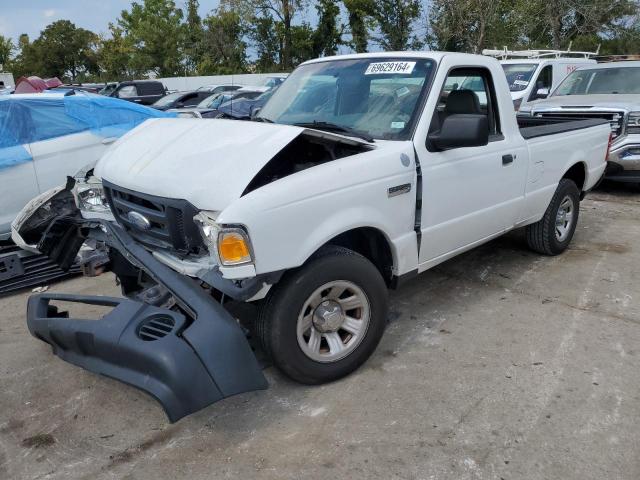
(359, 173)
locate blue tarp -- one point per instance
(32, 118)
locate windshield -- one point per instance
(214, 101)
(594, 81)
(519, 75)
(168, 99)
(273, 82)
(378, 96)
(108, 89)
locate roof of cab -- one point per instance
(599, 66)
(407, 54)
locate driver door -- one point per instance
(469, 194)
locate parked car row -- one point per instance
(359, 172)
(208, 108)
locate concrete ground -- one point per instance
(498, 364)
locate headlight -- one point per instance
(90, 196)
(633, 122)
(230, 245)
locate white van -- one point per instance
(533, 74)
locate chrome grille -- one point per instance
(169, 222)
(615, 118)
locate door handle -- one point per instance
(507, 159)
(109, 140)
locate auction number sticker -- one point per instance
(389, 67)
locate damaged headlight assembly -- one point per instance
(90, 196)
(229, 245)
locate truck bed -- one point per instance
(533, 127)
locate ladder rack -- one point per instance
(506, 54)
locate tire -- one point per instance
(547, 236)
(282, 323)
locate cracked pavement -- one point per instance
(497, 364)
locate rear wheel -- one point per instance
(323, 320)
(553, 233)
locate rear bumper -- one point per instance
(185, 361)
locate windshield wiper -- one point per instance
(334, 127)
(262, 119)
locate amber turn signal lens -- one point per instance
(233, 248)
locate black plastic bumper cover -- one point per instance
(185, 366)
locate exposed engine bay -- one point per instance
(309, 149)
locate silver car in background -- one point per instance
(610, 91)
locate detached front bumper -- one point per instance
(185, 361)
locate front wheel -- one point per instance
(553, 233)
(323, 320)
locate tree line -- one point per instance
(162, 38)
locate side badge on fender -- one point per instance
(399, 190)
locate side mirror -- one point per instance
(541, 93)
(255, 111)
(460, 130)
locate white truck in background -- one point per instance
(360, 172)
(534, 74)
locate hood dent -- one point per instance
(211, 163)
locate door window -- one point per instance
(128, 92)
(468, 91)
(544, 81)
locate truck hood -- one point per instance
(623, 102)
(206, 162)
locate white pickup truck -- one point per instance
(359, 173)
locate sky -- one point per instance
(31, 16)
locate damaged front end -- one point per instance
(173, 340)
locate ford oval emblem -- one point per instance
(139, 221)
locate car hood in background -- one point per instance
(208, 163)
(615, 101)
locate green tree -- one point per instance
(23, 64)
(62, 50)
(193, 36)
(394, 21)
(6, 50)
(154, 28)
(114, 56)
(472, 25)
(266, 41)
(328, 33)
(223, 49)
(555, 24)
(283, 13)
(358, 15)
(302, 44)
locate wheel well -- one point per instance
(578, 174)
(371, 244)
